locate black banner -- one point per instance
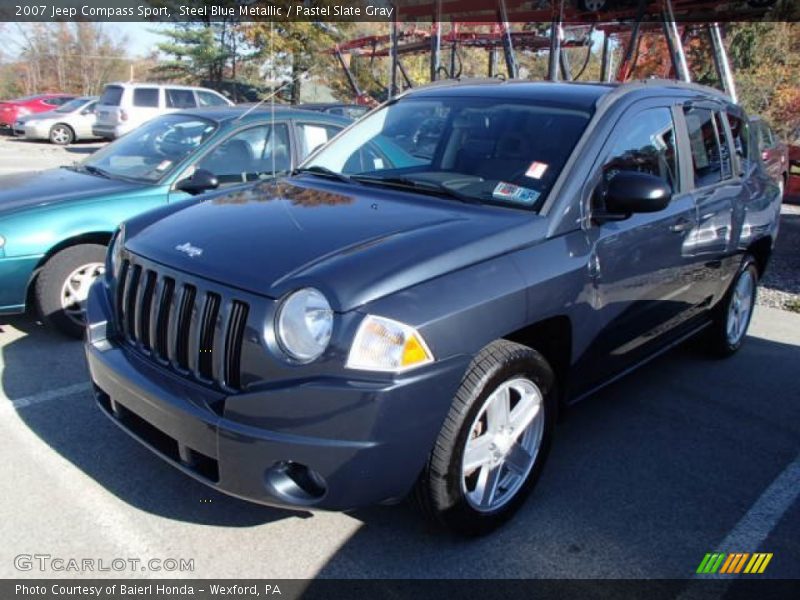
(412, 589)
(473, 11)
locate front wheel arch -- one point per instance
(102, 238)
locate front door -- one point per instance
(639, 289)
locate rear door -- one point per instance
(640, 279)
(719, 191)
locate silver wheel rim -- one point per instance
(740, 307)
(502, 445)
(60, 135)
(76, 289)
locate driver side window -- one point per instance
(250, 155)
(646, 145)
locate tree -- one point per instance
(68, 57)
(297, 48)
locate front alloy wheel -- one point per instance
(503, 443)
(61, 135)
(493, 443)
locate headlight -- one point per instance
(385, 345)
(305, 323)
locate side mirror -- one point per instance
(200, 181)
(631, 192)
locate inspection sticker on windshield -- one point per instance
(514, 193)
(164, 165)
(536, 170)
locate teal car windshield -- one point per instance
(151, 152)
(488, 150)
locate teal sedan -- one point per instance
(55, 225)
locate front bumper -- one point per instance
(36, 131)
(370, 438)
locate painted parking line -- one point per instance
(45, 396)
(754, 527)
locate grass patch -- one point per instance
(793, 305)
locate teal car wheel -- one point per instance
(63, 286)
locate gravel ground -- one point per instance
(780, 287)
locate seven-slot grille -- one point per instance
(181, 326)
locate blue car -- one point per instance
(384, 324)
(55, 225)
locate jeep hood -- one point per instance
(28, 190)
(356, 243)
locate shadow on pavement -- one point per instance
(42, 360)
(661, 464)
(644, 478)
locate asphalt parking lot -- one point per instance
(687, 456)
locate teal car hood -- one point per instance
(28, 190)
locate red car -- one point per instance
(11, 110)
(774, 152)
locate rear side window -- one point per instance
(180, 98)
(145, 97)
(112, 95)
(313, 135)
(740, 131)
(646, 145)
(726, 164)
(209, 99)
(706, 150)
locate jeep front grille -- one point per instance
(180, 324)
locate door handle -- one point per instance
(681, 225)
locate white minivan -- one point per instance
(125, 106)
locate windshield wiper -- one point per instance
(431, 187)
(96, 171)
(322, 172)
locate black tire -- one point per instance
(52, 279)
(439, 491)
(719, 341)
(61, 134)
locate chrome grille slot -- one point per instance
(233, 344)
(180, 323)
(205, 363)
(129, 323)
(184, 324)
(144, 310)
(162, 321)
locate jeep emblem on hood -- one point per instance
(187, 248)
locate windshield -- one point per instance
(72, 105)
(152, 151)
(488, 150)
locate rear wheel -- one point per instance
(61, 134)
(733, 314)
(63, 286)
(493, 444)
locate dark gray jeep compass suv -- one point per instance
(408, 310)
